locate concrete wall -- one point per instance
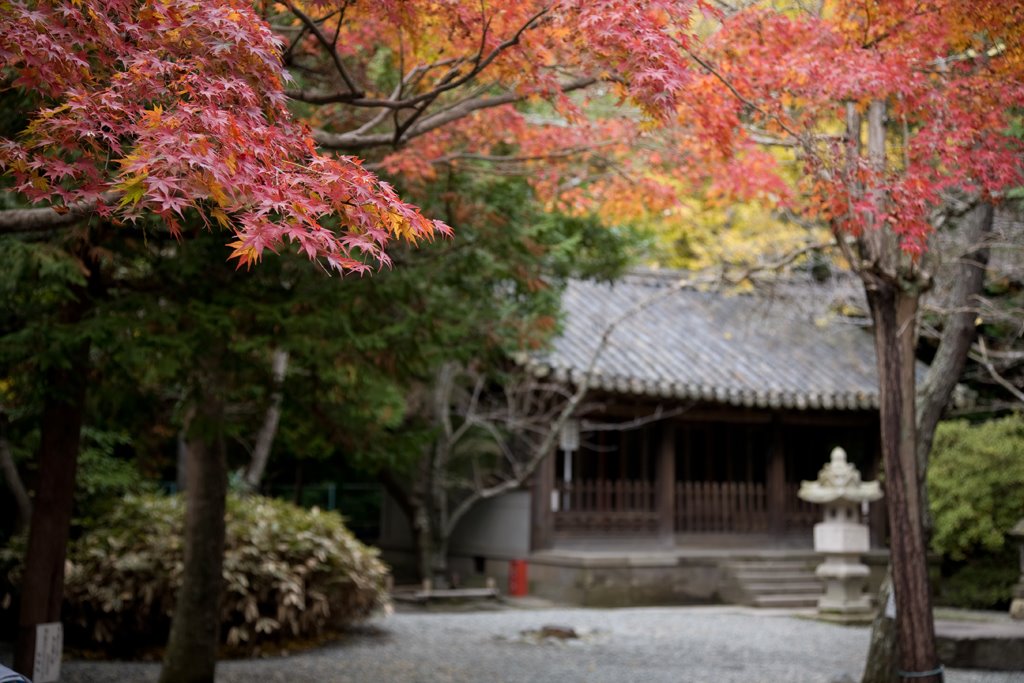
(628, 581)
(493, 532)
(495, 528)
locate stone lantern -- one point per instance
(1017, 606)
(841, 536)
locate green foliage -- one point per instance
(103, 479)
(984, 582)
(289, 574)
(976, 488)
(976, 485)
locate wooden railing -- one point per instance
(708, 507)
(700, 507)
(605, 506)
(798, 514)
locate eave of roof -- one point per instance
(743, 350)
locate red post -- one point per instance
(517, 585)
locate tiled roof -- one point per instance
(781, 350)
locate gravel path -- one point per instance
(652, 645)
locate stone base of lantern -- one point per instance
(1017, 605)
(845, 578)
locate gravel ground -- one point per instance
(651, 645)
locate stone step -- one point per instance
(792, 588)
(784, 600)
(773, 577)
(775, 565)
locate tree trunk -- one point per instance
(894, 311)
(191, 655)
(947, 366)
(424, 542)
(42, 588)
(13, 479)
(431, 544)
(268, 430)
(882, 654)
(958, 331)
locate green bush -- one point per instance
(984, 582)
(976, 490)
(102, 479)
(289, 574)
(976, 485)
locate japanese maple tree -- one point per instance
(164, 107)
(174, 110)
(892, 117)
(177, 109)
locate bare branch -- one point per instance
(636, 423)
(353, 90)
(352, 141)
(982, 357)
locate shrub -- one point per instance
(985, 582)
(976, 484)
(289, 573)
(976, 490)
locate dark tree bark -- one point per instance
(951, 356)
(958, 331)
(894, 310)
(191, 655)
(42, 588)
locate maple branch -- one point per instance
(762, 138)
(352, 140)
(451, 80)
(520, 158)
(354, 91)
(41, 219)
(736, 93)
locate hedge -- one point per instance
(289, 573)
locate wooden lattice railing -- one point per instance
(700, 507)
(606, 506)
(732, 507)
(799, 514)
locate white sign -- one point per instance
(49, 646)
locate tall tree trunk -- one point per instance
(14, 482)
(894, 310)
(951, 356)
(191, 655)
(42, 588)
(268, 430)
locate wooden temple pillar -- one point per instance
(542, 520)
(776, 479)
(665, 483)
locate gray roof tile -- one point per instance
(741, 349)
